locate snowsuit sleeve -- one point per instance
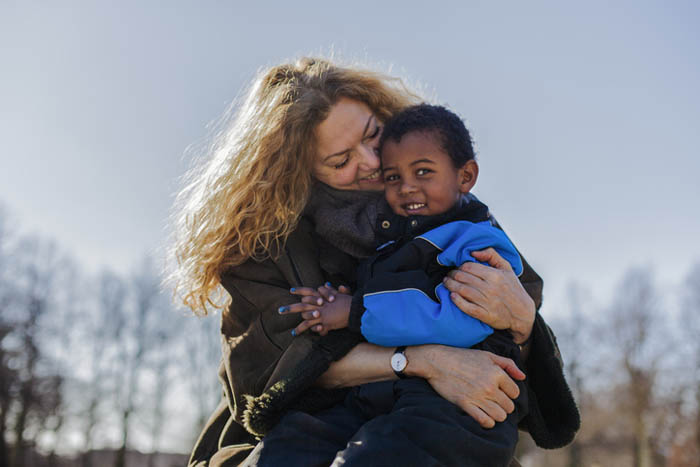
(407, 304)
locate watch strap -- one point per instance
(400, 350)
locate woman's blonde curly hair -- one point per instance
(246, 197)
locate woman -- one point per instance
(258, 222)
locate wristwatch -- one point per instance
(399, 362)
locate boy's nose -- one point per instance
(407, 188)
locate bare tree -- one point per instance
(691, 327)
(575, 332)
(635, 324)
(9, 376)
(165, 331)
(105, 326)
(39, 266)
(200, 366)
(144, 319)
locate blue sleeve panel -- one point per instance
(398, 311)
(410, 317)
(458, 239)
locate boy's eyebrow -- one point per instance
(364, 132)
(430, 161)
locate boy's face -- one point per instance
(420, 178)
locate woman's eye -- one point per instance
(374, 133)
(342, 164)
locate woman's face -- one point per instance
(347, 156)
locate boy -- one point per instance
(429, 169)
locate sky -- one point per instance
(586, 115)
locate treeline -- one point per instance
(634, 367)
(91, 362)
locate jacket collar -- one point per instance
(394, 227)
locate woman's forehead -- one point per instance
(345, 127)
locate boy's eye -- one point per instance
(391, 178)
(423, 171)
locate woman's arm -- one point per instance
(477, 381)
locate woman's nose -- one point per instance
(369, 157)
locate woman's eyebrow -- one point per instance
(364, 132)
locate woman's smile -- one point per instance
(374, 177)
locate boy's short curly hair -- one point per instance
(446, 125)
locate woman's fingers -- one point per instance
(494, 411)
(486, 273)
(491, 257)
(344, 289)
(510, 367)
(503, 401)
(467, 285)
(479, 415)
(469, 307)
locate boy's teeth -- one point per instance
(415, 206)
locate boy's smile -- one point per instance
(419, 176)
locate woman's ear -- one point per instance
(468, 174)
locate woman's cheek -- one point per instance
(345, 177)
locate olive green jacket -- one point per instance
(265, 371)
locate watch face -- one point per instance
(398, 362)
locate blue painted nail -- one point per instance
(281, 309)
(294, 332)
(328, 284)
(292, 289)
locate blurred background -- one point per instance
(585, 118)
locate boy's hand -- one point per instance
(323, 309)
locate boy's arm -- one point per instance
(379, 310)
(403, 313)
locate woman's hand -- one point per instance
(492, 294)
(477, 381)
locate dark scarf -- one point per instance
(346, 218)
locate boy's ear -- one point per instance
(468, 174)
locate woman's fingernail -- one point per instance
(331, 298)
(294, 332)
(315, 314)
(281, 309)
(292, 289)
(319, 301)
(328, 284)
